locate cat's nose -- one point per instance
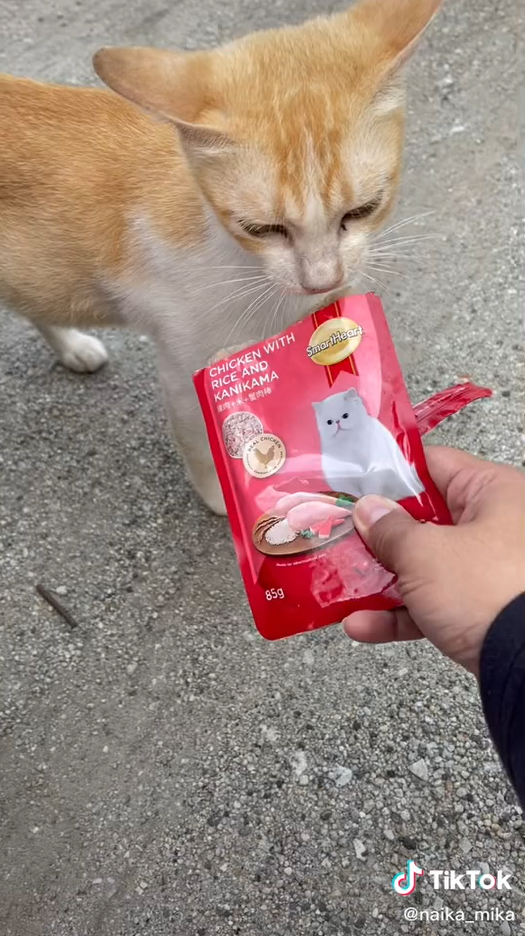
(321, 276)
(330, 287)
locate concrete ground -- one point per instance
(163, 770)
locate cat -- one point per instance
(218, 197)
(359, 454)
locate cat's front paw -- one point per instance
(215, 502)
(206, 483)
(81, 353)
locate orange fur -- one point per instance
(73, 165)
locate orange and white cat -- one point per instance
(245, 197)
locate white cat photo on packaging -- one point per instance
(359, 454)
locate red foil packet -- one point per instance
(300, 426)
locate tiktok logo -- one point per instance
(405, 882)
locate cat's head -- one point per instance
(293, 135)
(338, 414)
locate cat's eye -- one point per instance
(264, 230)
(357, 214)
(345, 415)
(330, 422)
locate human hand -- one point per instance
(454, 581)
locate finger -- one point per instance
(444, 464)
(381, 626)
(388, 530)
(474, 487)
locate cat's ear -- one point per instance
(397, 24)
(173, 85)
(202, 141)
(351, 393)
(170, 84)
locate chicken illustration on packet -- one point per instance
(300, 427)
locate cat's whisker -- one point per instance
(246, 312)
(422, 263)
(395, 259)
(236, 296)
(243, 318)
(389, 260)
(241, 279)
(402, 222)
(402, 250)
(283, 311)
(281, 305)
(383, 269)
(235, 266)
(267, 295)
(255, 271)
(394, 246)
(236, 325)
(272, 316)
(377, 282)
(239, 294)
(413, 219)
(237, 279)
(402, 241)
(276, 308)
(252, 309)
(395, 254)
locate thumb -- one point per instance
(387, 530)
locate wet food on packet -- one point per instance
(300, 427)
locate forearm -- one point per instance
(502, 687)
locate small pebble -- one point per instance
(342, 775)
(360, 849)
(420, 769)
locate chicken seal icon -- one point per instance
(264, 455)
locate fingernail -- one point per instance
(370, 509)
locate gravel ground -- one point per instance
(165, 771)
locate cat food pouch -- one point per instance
(300, 426)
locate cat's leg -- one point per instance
(189, 431)
(75, 350)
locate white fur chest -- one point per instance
(193, 302)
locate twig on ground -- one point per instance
(57, 605)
